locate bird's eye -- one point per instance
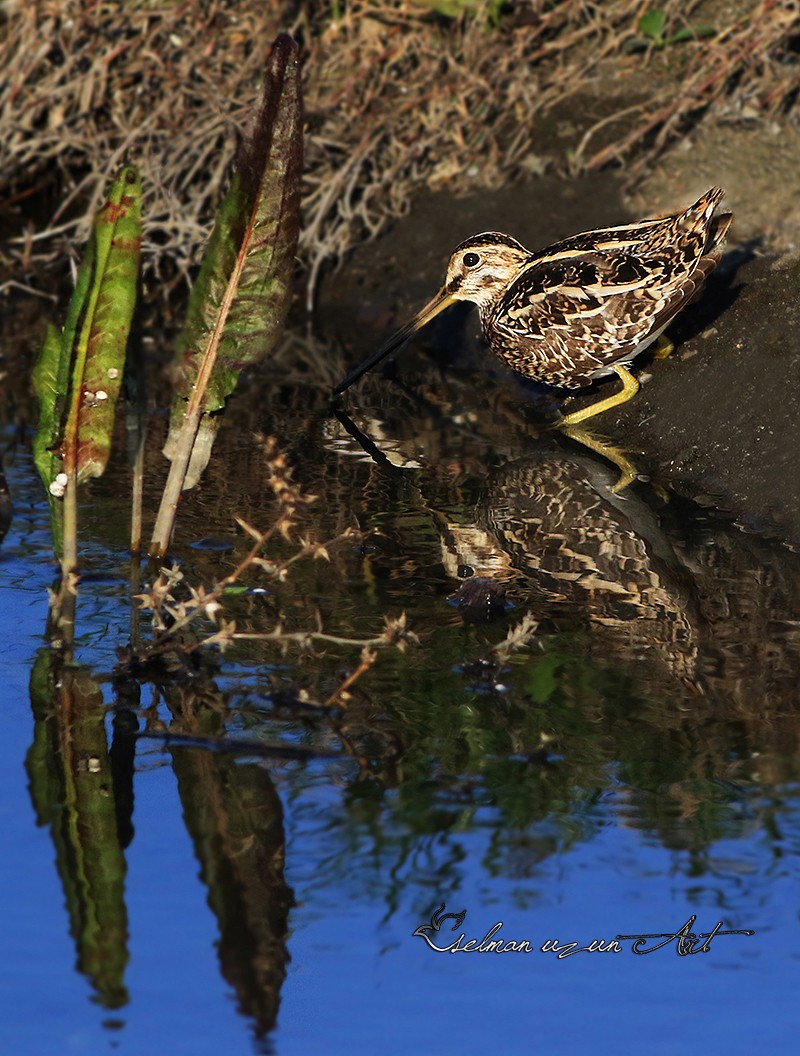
(470, 260)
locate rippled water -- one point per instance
(207, 860)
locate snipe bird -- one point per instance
(584, 307)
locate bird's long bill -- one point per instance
(396, 341)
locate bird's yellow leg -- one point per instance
(627, 471)
(630, 386)
(664, 348)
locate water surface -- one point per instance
(204, 858)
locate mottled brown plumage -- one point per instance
(583, 307)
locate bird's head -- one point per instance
(480, 270)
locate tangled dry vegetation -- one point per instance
(397, 97)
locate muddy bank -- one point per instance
(721, 419)
(716, 422)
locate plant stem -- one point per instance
(172, 489)
(69, 551)
(137, 491)
(191, 422)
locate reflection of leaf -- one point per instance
(70, 781)
(234, 817)
(542, 681)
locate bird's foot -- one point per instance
(630, 386)
(627, 470)
(664, 348)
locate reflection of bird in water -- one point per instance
(584, 307)
(551, 533)
(594, 554)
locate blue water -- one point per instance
(368, 867)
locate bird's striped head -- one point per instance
(482, 268)
(480, 271)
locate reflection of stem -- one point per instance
(136, 620)
(367, 660)
(62, 621)
(627, 470)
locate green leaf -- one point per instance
(243, 290)
(50, 386)
(448, 8)
(78, 375)
(100, 338)
(49, 380)
(691, 33)
(651, 25)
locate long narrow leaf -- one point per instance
(79, 372)
(242, 294)
(50, 383)
(98, 352)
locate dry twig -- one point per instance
(396, 100)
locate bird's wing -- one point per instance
(581, 289)
(571, 312)
(619, 284)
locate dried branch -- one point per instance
(396, 101)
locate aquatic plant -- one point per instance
(79, 372)
(235, 314)
(242, 294)
(234, 318)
